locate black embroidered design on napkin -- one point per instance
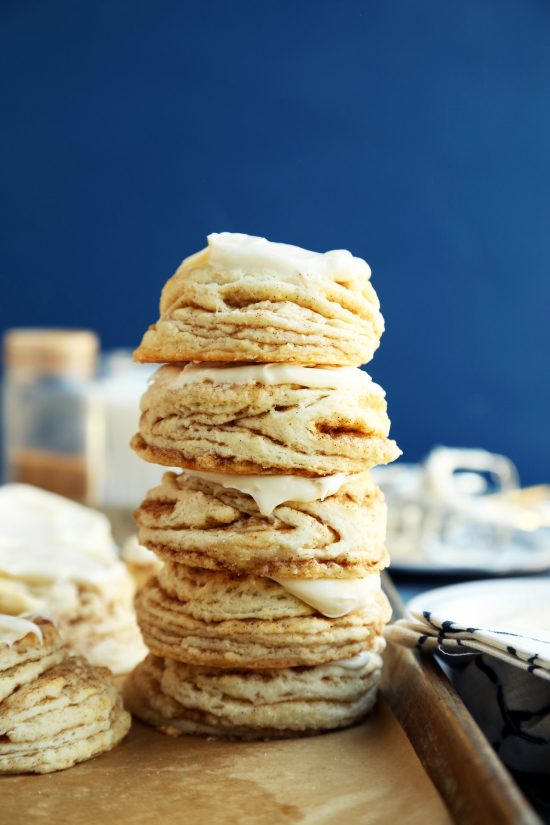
(447, 629)
(512, 719)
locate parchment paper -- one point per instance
(368, 774)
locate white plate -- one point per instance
(512, 604)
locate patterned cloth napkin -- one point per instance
(502, 675)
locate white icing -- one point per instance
(14, 628)
(270, 491)
(46, 539)
(135, 553)
(371, 657)
(333, 597)
(249, 253)
(354, 662)
(339, 378)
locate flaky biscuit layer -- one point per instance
(266, 704)
(80, 744)
(200, 523)
(68, 713)
(255, 428)
(208, 314)
(265, 626)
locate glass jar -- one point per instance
(52, 419)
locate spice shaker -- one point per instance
(52, 418)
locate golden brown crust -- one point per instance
(309, 569)
(167, 457)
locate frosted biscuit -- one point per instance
(217, 619)
(95, 617)
(69, 713)
(58, 558)
(197, 521)
(280, 419)
(244, 298)
(265, 704)
(28, 647)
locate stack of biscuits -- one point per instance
(266, 618)
(55, 709)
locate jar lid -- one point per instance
(52, 351)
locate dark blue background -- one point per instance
(416, 134)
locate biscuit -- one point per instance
(72, 574)
(70, 712)
(95, 618)
(320, 309)
(198, 522)
(78, 745)
(217, 619)
(274, 703)
(258, 428)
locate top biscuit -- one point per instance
(244, 298)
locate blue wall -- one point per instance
(416, 134)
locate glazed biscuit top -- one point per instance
(234, 256)
(235, 251)
(244, 298)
